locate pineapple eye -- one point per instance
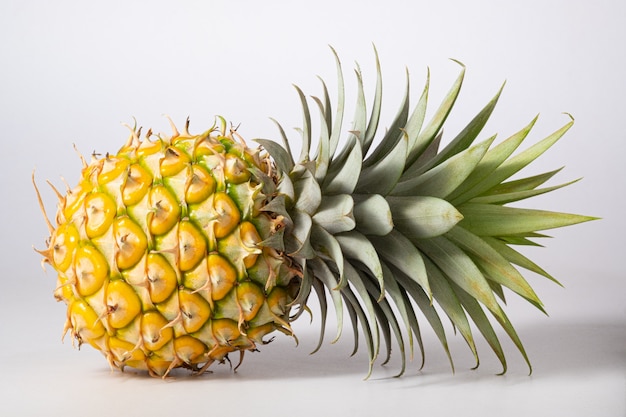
(112, 168)
(91, 270)
(86, 325)
(195, 310)
(235, 170)
(100, 210)
(63, 246)
(136, 186)
(192, 246)
(131, 242)
(123, 304)
(222, 275)
(174, 161)
(154, 330)
(189, 349)
(200, 186)
(227, 215)
(161, 277)
(166, 210)
(250, 299)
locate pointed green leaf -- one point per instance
(306, 127)
(337, 130)
(327, 246)
(372, 214)
(447, 299)
(511, 197)
(356, 280)
(394, 133)
(328, 279)
(519, 161)
(522, 184)
(434, 126)
(414, 125)
(517, 258)
(492, 160)
(372, 125)
(382, 176)
(467, 136)
(455, 263)
(398, 250)
(481, 321)
(280, 155)
(322, 160)
(443, 179)
(335, 213)
(425, 305)
(493, 263)
(493, 220)
(321, 297)
(422, 217)
(344, 173)
(357, 247)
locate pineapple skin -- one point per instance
(159, 252)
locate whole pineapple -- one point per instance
(179, 250)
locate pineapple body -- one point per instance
(179, 250)
(160, 257)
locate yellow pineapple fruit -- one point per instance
(179, 250)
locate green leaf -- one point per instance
(322, 160)
(493, 263)
(430, 313)
(422, 217)
(434, 126)
(336, 130)
(372, 126)
(321, 297)
(309, 194)
(372, 214)
(382, 176)
(443, 179)
(327, 246)
(279, 154)
(494, 220)
(414, 125)
(455, 263)
(517, 258)
(343, 173)
(522, 184)
(511, 197)
(481, 321)
(447, 299)
(491, 161)
(335, 213)
(519, 161)
(324, 275)
(306, 127)
(357, 247)
(466, 137)
(399, 251)
(394, 133)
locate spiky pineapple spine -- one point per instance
(379, 228)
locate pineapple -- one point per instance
(180, 250)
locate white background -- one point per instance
(71, 72)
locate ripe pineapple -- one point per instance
(181, 249)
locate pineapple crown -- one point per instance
(402, 222)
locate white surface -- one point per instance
(73, 71)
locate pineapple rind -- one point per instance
(177, 275)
